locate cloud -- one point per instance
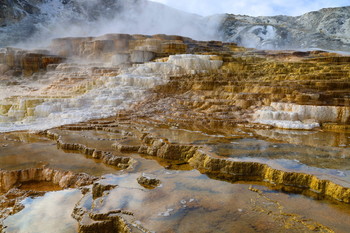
(252, 7)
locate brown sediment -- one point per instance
(106, 157)
(28, 62)
(64, 179)
(98, 189)
(40, 186)
(18, 184)
(229, 96)
(199, 158)
(276, 210)
(104, 223)
(88, 221)
(336, 127)
(251, 171)
(230, 170)
(148, 182)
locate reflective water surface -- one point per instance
(186, 200)
(20, 151)
(49, 213)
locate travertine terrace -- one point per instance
(155, 111)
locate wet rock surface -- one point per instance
(103, 206)
(64, 179)
(15, 186)
(98, 189)
(147, 181)
(184, 138)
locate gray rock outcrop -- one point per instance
(34, 21)
(49, 19)
(12, 11)
(327, 28)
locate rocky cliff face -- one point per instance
(36, 22)
(22, 19)
(327, 28)
(14, 11)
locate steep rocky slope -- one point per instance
(327, 28)
(14, 11)
(36, 22)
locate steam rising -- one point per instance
(93, 18)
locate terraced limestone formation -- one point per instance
(283, 89)
(16, 185)
(178, 152)
(179, 131)
(63, 93)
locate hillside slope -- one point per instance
(327, 28)
(38, 21)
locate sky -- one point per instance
(253, 7)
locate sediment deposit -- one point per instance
(175, 106)
(17, 185)
(65, 179)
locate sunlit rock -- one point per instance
(180, 64)
(293, 116)
(148, 181)
(195, 63)
(65, 179)
(98, 189)
(316, 29)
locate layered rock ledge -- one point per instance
(16, 185)
(65, 179)
(190, 81)
(199, 157)
(173, 82)
(234, 171)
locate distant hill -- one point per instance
(327, 28)
(36, 22)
